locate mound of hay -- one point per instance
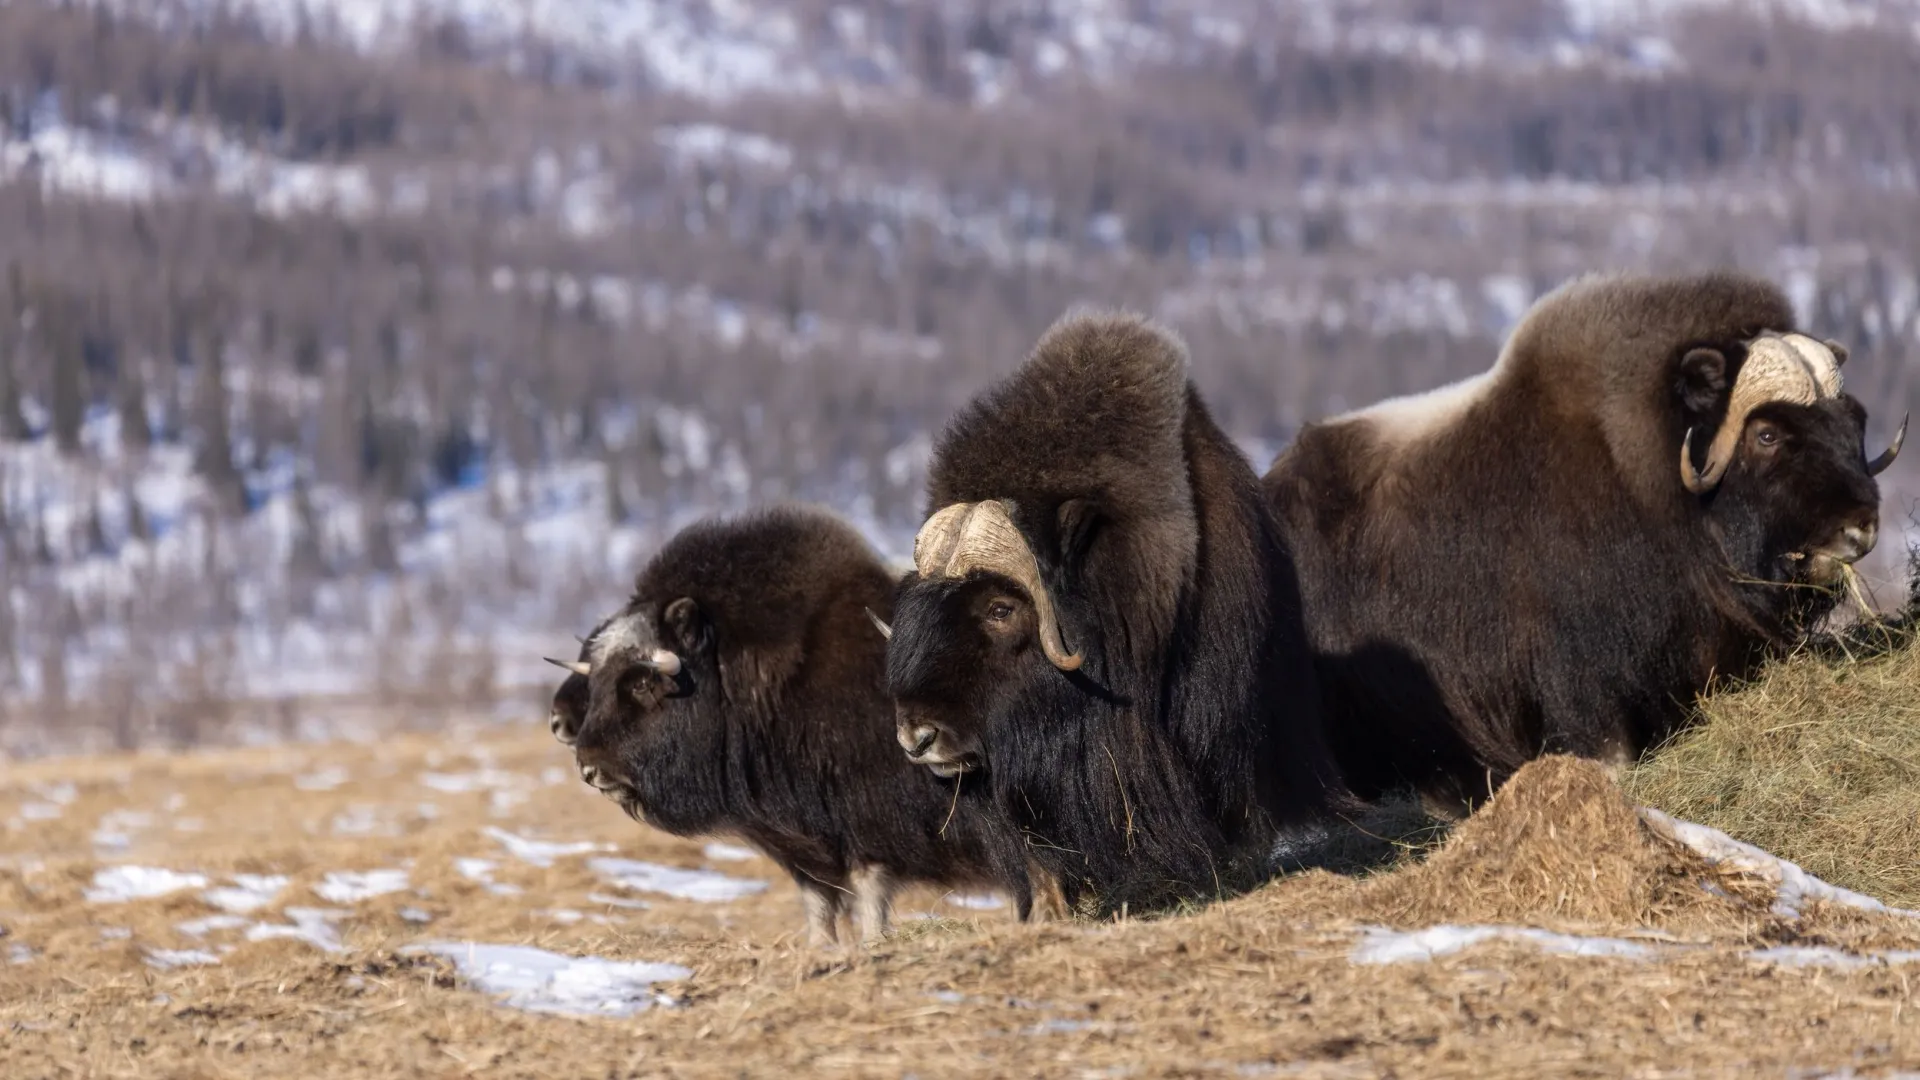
(1818, 762)
(1558, 845)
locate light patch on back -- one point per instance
(621, 635)
(1417, 417)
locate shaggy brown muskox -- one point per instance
(1650, 488)
(742, 692)
(1102, 626)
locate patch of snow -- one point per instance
(536, 980)
(362, 819)
(169, 959)
(20, 954)
(541, 852)
(701, 885)
(1382, 946)
(322, 779)
(617, 901)
(62, 793)
(729, 853)
(1793, 887)
(481, 870)
(1823, 956)
(115, 933)
(713, 143)
(41, 811)
(311, 925)
(466, 783)
(69, 159)
(247, 894)
(118, 884)
(202, 927)
(415, 915)
(353, 886)
(976, 901)
(116, 828)
(1057, 1027)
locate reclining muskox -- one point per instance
(1653, 487)
(1102, 630)
(741, 691)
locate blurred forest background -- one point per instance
(354, 354)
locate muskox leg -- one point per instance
(1048, 901)
(823, 913)
(873, 894)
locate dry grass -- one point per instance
(1559, 845)
(1818, 762)
(1260, 985)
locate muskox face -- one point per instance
(1799, 490)
(638, 673)
(972, 623)
(1786, 474)
(958, 647)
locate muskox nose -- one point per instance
(917, 741)
(1856, 541)
(561, 725)
(604, 781)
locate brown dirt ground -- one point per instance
(1259, 985)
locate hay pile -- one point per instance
(1817, 762)
(1559, 846)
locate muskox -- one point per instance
(741, 691)
(1102, 626)
(1653, 487)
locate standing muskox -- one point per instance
(741, 691)
(1102, 630)
(1652, 487)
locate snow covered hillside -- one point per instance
(357, 353)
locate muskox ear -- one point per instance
(682, 620)
(1077, 521)
(1702, 379)
(1839, 352)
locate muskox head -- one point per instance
(635, 677)
(971, 614)
(1784, 471)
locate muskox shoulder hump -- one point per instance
(1633, 323)
(757, 576)
(1099, 406)
(1415, 418)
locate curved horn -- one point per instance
(1689, 476)
(1879, 465)
(879, 624)
(662, 661)
(982, 536)
(1791, 368)
(576, 666)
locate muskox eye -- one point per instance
(999, 611)
(1767, 437)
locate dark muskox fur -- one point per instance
(1517, 568)
(1161, 767)
(778, 729)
